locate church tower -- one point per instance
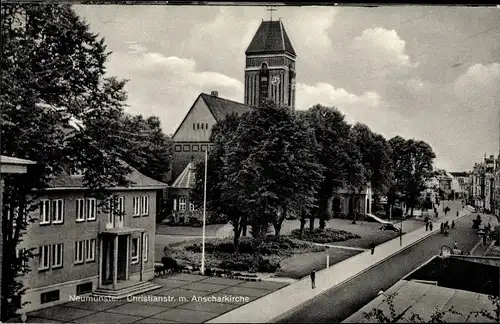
(270, 66)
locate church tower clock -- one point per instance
(270, 66)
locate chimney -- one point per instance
(214, 93)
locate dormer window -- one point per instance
(76, 171)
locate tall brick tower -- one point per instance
(270, 66)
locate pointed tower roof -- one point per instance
(271, 38)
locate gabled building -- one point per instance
(84, 249)
(460, 184)
(192, 137)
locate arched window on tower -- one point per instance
(263, 82)
(291, 81)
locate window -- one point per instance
(191, 206)
(182, 203)
(197, 125)
(84, 288)
(57, 211)
(137, 206)
(44, 257)
(90, 250)
(206, 125)
(145, 205)
(79, 252)
(121, 208)
(57, 256)
(45, 211)
(145, 248)
(202, 125)
(91, 207)
(135, 250)
(80, 210)
(110, 211)
(178, 148)
(185, 148)
(49, 296)
(196, 148)
(193, 127)
(203, 147)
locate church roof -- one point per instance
(271, 38)
(221, 108)
(187, 179)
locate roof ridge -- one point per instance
(217, 97)
(282, 35)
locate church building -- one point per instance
(269, 74)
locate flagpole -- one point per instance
(204, 216)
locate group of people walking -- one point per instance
(445, 227)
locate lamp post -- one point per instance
(204, 216)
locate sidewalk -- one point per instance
(275, 305)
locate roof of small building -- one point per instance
(422, 298)
(13, 160)
(270, 38)
(460, 174)
(137, 179)
(221, 108)
(187, 178)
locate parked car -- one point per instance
(389, 227)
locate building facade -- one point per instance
(460, 184)
(483, 184)
(270, 66)
(83, 248)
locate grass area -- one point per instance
(219, 253)
(365, 242)
(327, 235)
(300, 266)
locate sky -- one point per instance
(429, 73)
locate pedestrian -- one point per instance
(457, 213)
(426, 226)
(313, 278)
(442, 228)
(484, 238)
(430, 225)
(373, 248)
(452, 224)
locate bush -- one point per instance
(327, 235)
(216, 218)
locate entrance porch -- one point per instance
(116, 255)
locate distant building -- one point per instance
(344, 203)
(445, 189)
(483, 187)
(181, 195)
(460, 184)
(82, 249)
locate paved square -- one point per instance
(154, 321)
(221, 281)
(187, 315)
(177, 292)
(107, 318)
(268, 285)
(60, 313)
(209, 307)
(237, 291)
(137, 309)
(204, 287)
(180, 308)
(95, 306)
(173, 283)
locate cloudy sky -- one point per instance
(431, 73)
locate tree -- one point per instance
(145, 146)
(281, 151)
(53, 74)
(375, 157)
(413, 167)
(331, 132)
(216, 202)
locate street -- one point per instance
(340, 302)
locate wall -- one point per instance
(198, 114)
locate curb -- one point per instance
(274, 320)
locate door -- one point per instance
(122, 258)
